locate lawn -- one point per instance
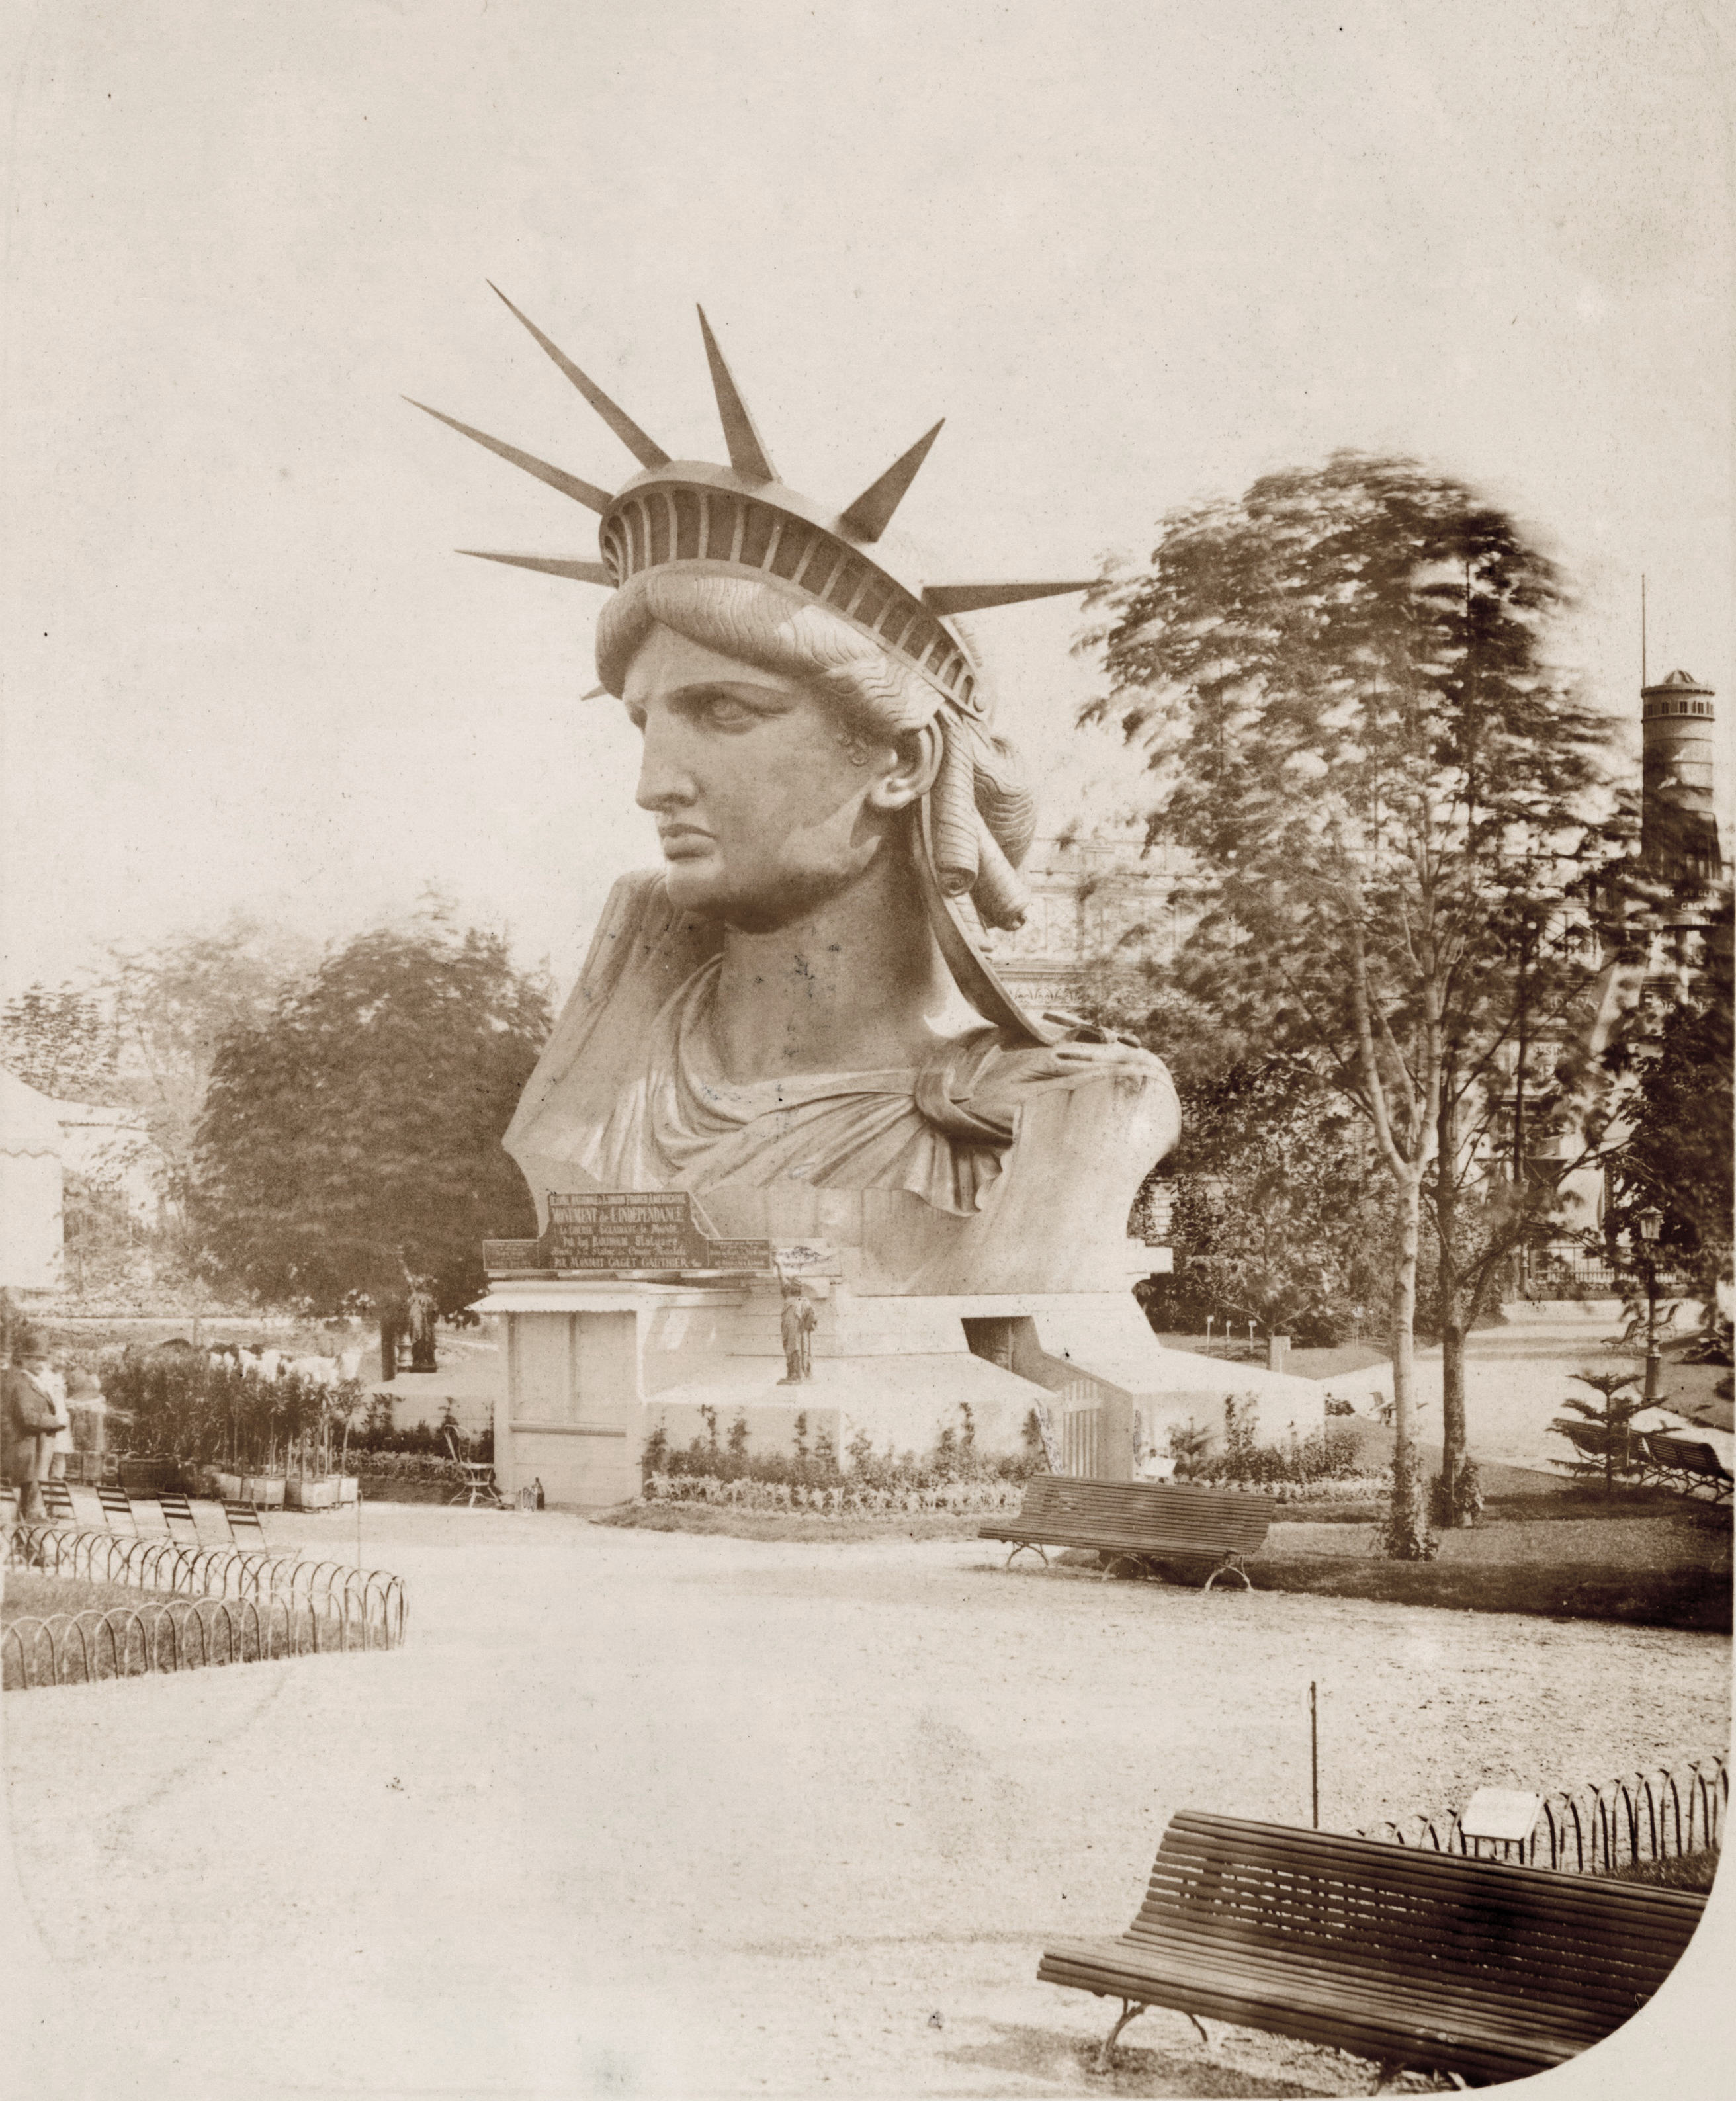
(1640, 1558)
(30, 1595)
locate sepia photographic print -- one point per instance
(865, 1012)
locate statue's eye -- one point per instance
(723, 710)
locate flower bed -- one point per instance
(844, 1499)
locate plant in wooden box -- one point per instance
(317, 1480)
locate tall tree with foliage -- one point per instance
(1275, 1219)
(174, 1001)
(1340, 682)
(1674, 1142)
(62, 1041)
(365, 1112)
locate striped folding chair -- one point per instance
(149, 1520)
(87, 1511)
(178, 1515)
(244, 1525)
(117, 1512)
(209, 1522)
(58, 1502)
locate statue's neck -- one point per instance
(856, 985)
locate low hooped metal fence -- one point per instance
(297, 1607)
(1657, 1815)
(181, 1634)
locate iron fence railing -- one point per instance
(180, 1633)
(207, 1604)
(1656, 1815)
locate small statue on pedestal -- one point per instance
(797, 1321)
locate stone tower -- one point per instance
(1680, 823)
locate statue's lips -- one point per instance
(685, 843)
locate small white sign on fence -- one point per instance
(1500, 1812)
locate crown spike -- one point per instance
(644, 450)
(747, 452)
(945, 599)
(872, 512)
(550, 565)
(581, 492)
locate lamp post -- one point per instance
(1651, 1223)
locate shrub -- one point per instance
(953, 1462)
(1327, 1455)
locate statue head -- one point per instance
(784, 752)
(744, 612)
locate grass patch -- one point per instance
(1687, 1871)
(32, 1596)
(1683, 1598)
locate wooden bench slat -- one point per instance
(1427, 2006)
(1382, 1866)
(1377, 2033)
(1413, 1968)
(1574, 1910)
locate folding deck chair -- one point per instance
(178, 1515)
(58, 1502)
(117, 1512)
(149, 1520)
(245, 1527)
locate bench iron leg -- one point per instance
(1390, 2071)
(1205, 2034)
(1230, 1565)
(1130, 2009)
(1028, 1547)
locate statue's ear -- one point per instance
(916, 760)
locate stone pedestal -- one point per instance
(592, 1368)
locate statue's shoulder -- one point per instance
(638, 913)
(643, 952)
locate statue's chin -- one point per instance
(695, 886)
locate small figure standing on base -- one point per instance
(799, 1321)
(424, 1308)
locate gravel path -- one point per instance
(659, 1814)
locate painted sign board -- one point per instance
(625, 1231)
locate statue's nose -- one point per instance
(664, 781)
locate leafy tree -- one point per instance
(1341, 684)
(175, 1002)
(366, 1111)
(1675, 1150)
(1280, 1215)
(61, 1041)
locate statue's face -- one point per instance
(765, 806)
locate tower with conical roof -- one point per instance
(1680, 841)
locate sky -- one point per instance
(1136, 255)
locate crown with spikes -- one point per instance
(741, 519)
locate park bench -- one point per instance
(1146, 1526)
(1414, 1959)
(1688, 1462)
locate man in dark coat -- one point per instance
(31, 1419)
